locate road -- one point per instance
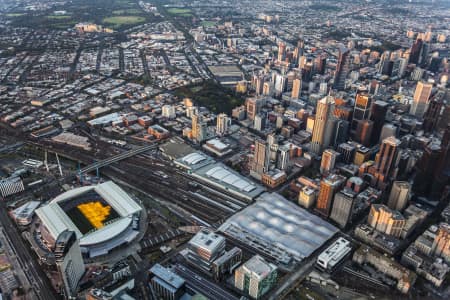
(118, 157)
(31, 268)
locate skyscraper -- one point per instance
(399, 196)
(283, 156)
(328, 188)
(281, 51)
(258, 82)
(253, 107)
(421, 97)
(323, 125)
(364, 132)
(441, 243)
(296, 88)
(386, 161)
(328, 161)
(223, 122)
(342, 69)
(261, 159)
(432, 115)
(361, 110)
(198, 128)
(416, 50)
(69, 262)
(386, 220)
(426, 168)
(343, 207)
(378, 116)
(255, 277)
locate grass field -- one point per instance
(118, 21)
(131, 11)
(13, 15)
(208, 23)
(58, 17)
(180, 12)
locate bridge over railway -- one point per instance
(105, 162)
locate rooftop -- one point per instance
(284, 229)
(207, 239)
(259, 267)
(167, 275)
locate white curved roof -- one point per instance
(106, 233)
(193, 158)
(122, 203)
(221, 174)
(281, 223)
(57, 221)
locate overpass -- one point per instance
(116, 158)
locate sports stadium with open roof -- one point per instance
(102, 216)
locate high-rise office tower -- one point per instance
(261, 158)
(441, 243)
(281, 51)
(426, 167)
(441, 175)
(69, 262)
(196, 119)
(364, 132)
(340, 132)
(347, 152)
(168, 111)
(253, 107)
(386, 220)
(384, 61)
(328, 188)
(296, 88)
(421, 97)
(378, 116)
(399, 196)
(191, 110)
(323, 125)
(259, 122)
(423, 60)
(342, 69)
(283, 156)
(329, 158)
(298, 52)
(199, 128)
(361, 110)
(223, 123)
(255, 277)
(399, 67)
(386, 161)
(259, 84)
(343, 207)
(319, 64)
(416, 50)
(433, 114)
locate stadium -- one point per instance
(102, 216)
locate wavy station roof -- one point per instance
(279, 228)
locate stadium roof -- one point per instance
(110, 192)
(287, 230)
(57, 221)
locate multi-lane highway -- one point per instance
(38, 279)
